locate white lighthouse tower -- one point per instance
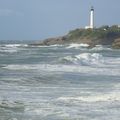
(92, 18)
(91, 24)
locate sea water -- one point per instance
(59, 82)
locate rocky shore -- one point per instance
(104, 35)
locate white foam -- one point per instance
(65, 68)
(69, 59)
(16, 45)
(89, 58)
(5, 49)
(94, 98)
(48, 46)
(19, 67)
(85, 58)
(8, 50)
(12, 45)
(56, 45)
(47, 109)
(73, 45)
(100, 48)
(11, 48)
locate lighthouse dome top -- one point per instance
(92, 8)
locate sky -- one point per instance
(40, 19)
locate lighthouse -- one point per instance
(91, 23)
(92, 18)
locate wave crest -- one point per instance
(84, 59)
(77, 46)
(96, 98)
(100, 48)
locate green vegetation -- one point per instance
(104, 35)
(103, 32)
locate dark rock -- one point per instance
(116, 44)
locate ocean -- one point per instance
(59, 82)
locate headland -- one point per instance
(104, 35)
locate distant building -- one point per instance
(91, 25)
(119, 26)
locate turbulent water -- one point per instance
(69, 82)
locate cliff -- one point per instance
(104, 35)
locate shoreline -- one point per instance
(100, 36)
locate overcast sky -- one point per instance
(40, 19)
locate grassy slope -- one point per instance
(104, 35)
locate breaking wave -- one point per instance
(11, 48)
(93, 98)
(77, 46)
(100, 48)
(47, 46)
(13, 45)
(58, 69)
(8, 51)
(84, 59)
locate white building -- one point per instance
(91, 24)
(119, 26)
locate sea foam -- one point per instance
(84, 59)
(43, 68)
(77, 46)
(100, 48)
(93, 98)
(11, 48)
(16, 45)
